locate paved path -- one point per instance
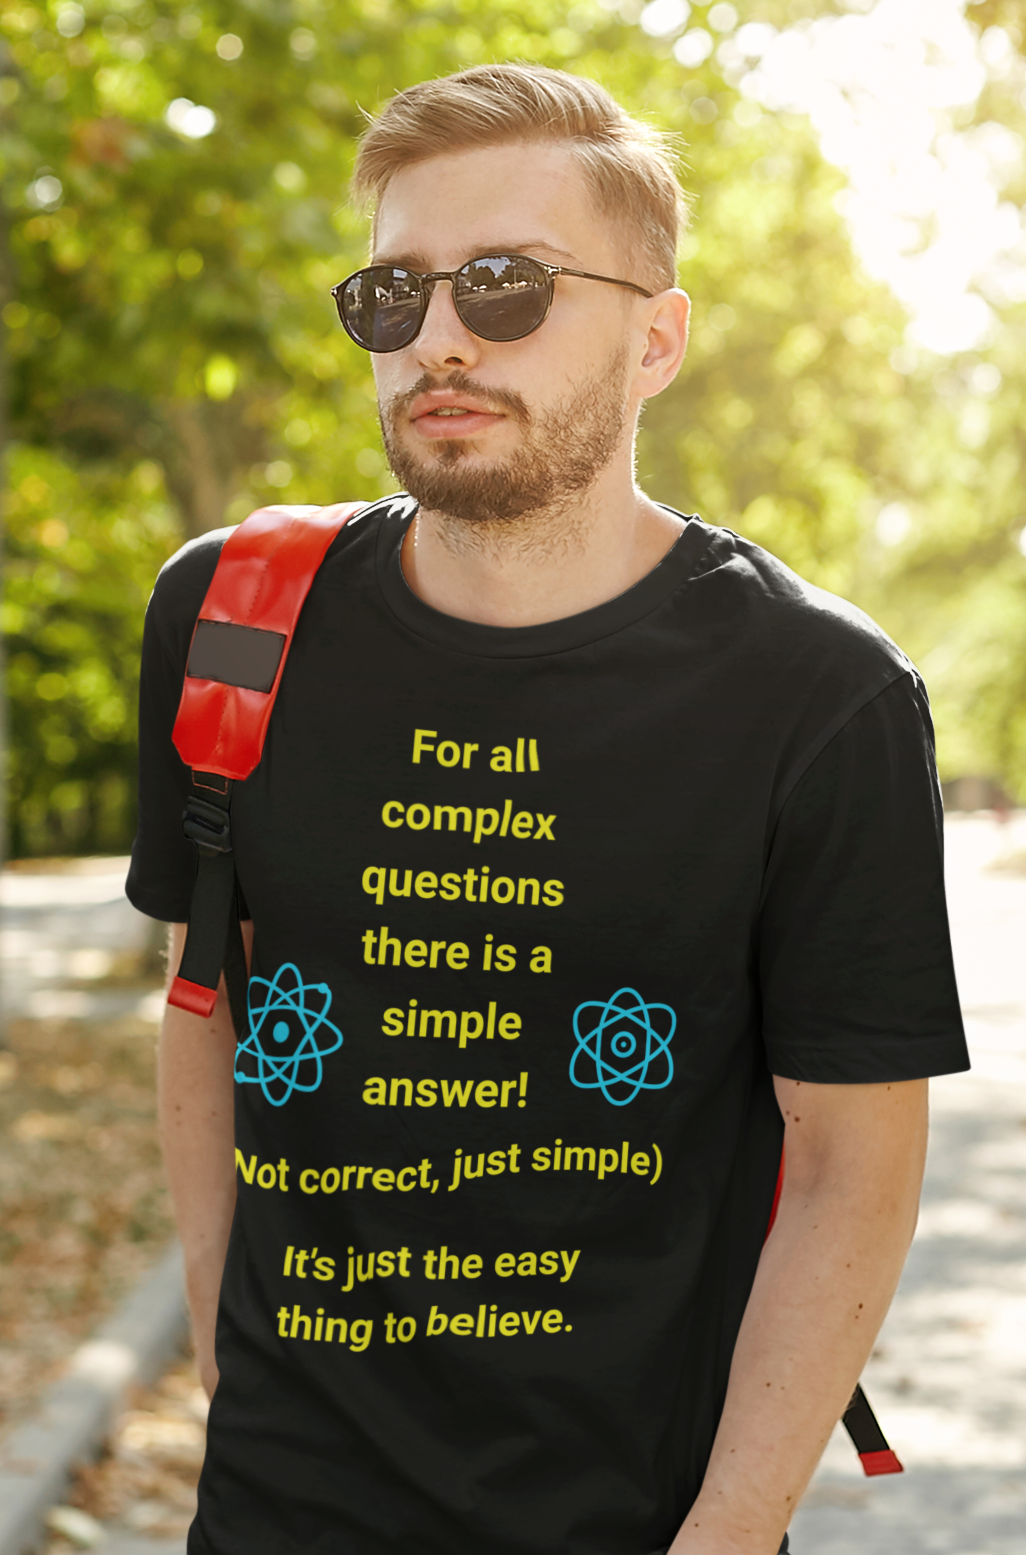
(949, 1375)
(61, 933)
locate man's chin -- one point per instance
(472, 495)
(455, 483)
(429, 456)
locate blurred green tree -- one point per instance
(959, 589)
(173, 184)
(83, 550)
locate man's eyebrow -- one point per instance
(406, 261)
(411, 259)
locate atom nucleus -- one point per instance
(620, 1044)
(279, 1009)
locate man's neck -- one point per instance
(543, 566)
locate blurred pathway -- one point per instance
(948, 1378)
(67, 938)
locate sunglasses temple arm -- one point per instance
(610, 280)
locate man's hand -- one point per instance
(855, 1156)
(197, 1132)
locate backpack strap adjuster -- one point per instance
(207, 825)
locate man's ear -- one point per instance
(666, 342)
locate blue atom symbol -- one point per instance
(278, 1074)
(624, 1046)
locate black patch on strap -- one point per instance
(235, 655)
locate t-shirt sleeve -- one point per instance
(163, 866)
(856, 973)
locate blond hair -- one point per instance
(627, 165)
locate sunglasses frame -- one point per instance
(426, 285)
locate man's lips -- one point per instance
(445, 413)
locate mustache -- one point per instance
(460, 383)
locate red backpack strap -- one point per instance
(236, 658)
(242, 637)
(778, 1190)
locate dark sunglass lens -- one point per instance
(502, 297)
(381, 307)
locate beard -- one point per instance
(558, 458)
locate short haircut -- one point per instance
(628, 165)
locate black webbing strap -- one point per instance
(236, 973)
(870, 1443)
(214, 939)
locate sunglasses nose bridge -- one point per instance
(442, 335)
(428, 284)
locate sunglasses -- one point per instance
(499, 297)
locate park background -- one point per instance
(173, 193)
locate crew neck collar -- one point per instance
(546, 637)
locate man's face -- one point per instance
(484, 430)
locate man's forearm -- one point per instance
(195, 1105)
(824, 1283)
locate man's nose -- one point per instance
(444, 339)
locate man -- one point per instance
(592, 855)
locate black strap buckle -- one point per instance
(207, 825)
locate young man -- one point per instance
(592, 856)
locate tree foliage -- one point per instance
(173, 187)
(82, 555)
(953, 589)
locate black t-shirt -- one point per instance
(538, 913)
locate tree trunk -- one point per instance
(202, 471)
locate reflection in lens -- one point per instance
(502, 297)
(382, 307)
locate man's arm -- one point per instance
(195, 1093)
(855, 1157)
